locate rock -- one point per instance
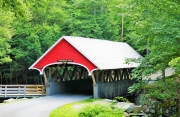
(130, 109)
(137, 109)
(152, 110)
(138, 99)
(144, 115)
(124, 105)
(145, 109)
(22, 99)
(9, 100)
(167, 111)
(149, 115)
(153, 102)
(126, 114)
(108, 100)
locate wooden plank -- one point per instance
(45, 77)
(69, 75)
(64, 71)
(121, 74)
(96, 75)
(34, 86)
(2, 88)
(111, 77)
(60, 76)
(108, 75)
(13, 92)
(19, 85)
(103, 72)
(33, 94)
(94, 82)
(99, 75)
(14, 89)
(81, 72)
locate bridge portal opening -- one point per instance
(68, 78)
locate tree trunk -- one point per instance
(164, 77)
(178, 95)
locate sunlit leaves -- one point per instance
(155, 34)
(6, 32)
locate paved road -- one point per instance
(38, 107)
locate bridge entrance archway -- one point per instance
(68, 78)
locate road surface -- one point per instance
(38, 107)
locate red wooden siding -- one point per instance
(64, 51)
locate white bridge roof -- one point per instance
(103, 53)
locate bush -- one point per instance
(121, 99)
(101, 110)
(161, 91)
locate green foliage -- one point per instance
(98, 14)
(34, 34)
(121, 99)
(72, 109)
(29, 27)
(18, 7)
(161, 97)
(100, 110)
(135, 88)
(6, 33)
(155, 37)
(175, 63)
(160, 92)
(88, 108)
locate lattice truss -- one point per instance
(68, 72)
(112, 75)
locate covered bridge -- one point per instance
(78, 64)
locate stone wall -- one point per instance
(154, 108)
(161, 109)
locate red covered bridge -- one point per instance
(73, 64)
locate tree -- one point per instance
(33, 36)
(155, 36)
(94, 19)
(6, 32)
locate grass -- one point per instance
(71, 110)
(74, 109)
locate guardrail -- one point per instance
(22, 90)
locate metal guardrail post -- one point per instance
(43, 90)
(24, 91)
(5, 90)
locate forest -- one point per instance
(29, 27)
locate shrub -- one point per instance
(121, 99)
(101, 110)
